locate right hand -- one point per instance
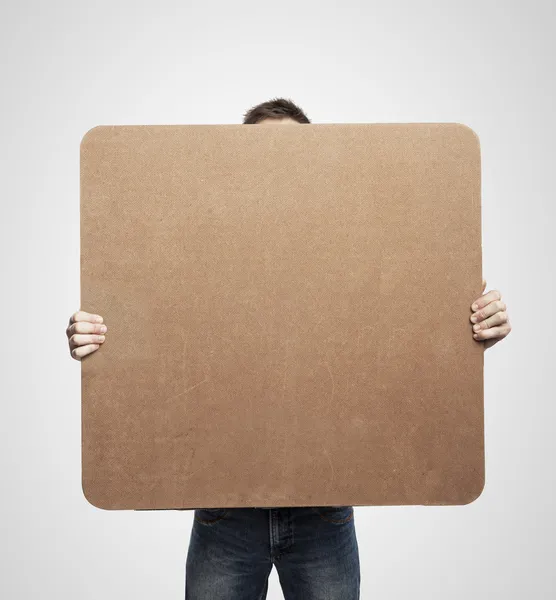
(85, 334)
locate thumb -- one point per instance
(484, 285)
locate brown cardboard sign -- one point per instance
(288, 315)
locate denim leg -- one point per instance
(322, 563)
(228, 556)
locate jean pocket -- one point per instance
(208, 516)
(334, 514)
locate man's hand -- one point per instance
(85, 334)
(490, 318)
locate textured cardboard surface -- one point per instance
(288, 315)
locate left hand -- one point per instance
(490, 318)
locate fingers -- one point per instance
(85, 327)
(481, 302)
(82, 340)
(493, 332)
(81, 351)
(489, 310)
(85, 333)
(499, 318)
(81, 315)
(490, 317)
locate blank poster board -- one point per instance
(288, 315)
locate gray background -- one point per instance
(68, 66)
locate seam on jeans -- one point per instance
(223, 516)
(335, 520)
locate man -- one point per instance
(314, 549)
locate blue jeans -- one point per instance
(232, 551)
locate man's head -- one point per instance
(278, 111)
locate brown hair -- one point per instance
(277, 108)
